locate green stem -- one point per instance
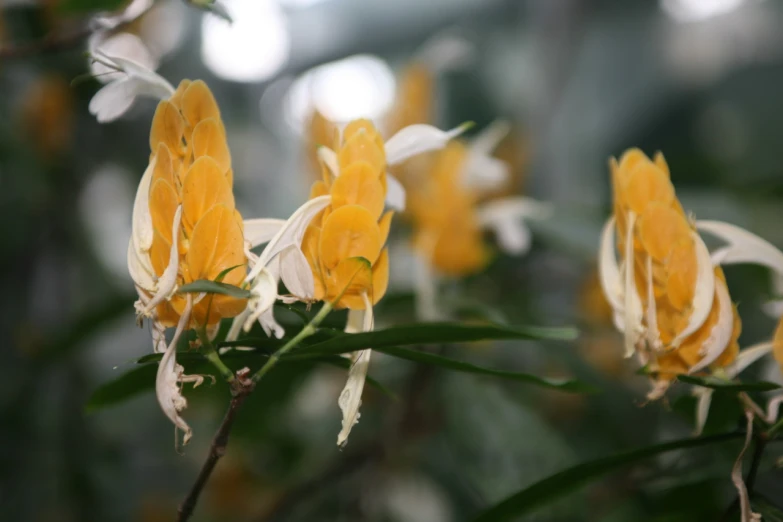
(212, 356)
(306, 332)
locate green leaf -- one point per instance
(225, 272)
(214, 287)
(426, 333)
(85, 6)
(461, 366)
(565, 481)
(128, 385)
(723, 385)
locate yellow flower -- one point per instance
(185, 228)
(672, 305)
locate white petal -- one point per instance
(505, 217)
(168, 378)
(141, 275)
(355, 321)
(261, 230)
(743, 246)
(773, 406)
(329, 157)
(608, 270)
(270, 325)
(447, 52)
(425, 282)
(703, 294)
(113, 100)
(746, 514)
(296, 273)
(484, 173)
(487, 140)
(168, 281)
(395, 194)
(121, 45)
(290, 234)
(632, 304)
(236, 325)
(351, 397)
(702, 408)
(773, 308)
(141, 225)
(720, 335)
(416, 139)
(747, 357)
(264, 292)
(481, 170)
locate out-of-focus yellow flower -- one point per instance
(672, 305)
(47, 115)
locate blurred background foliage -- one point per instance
(580, 80)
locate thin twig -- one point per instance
(242, 388)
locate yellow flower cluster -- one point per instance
(660, 253)
(192, 168)
(344, 244)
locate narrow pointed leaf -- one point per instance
(427, 333)
(557, 485)
(723, 385)
(214, 287)
(565, 385)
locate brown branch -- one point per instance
(241, 389)
(53, 42)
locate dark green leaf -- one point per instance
(225, 272)
(720, 384)
(768, 511)
(85, 6)
(213, 287)
(134, 382)
(461, 366)
(559, 484)
(426, 333)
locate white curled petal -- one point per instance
(416, 139)
(113, 100)
(632, 303)
(704, 396)
(236, 325)
(141, 225)
(773, 406)
(395, 194)
(261, 230)
(270, 325)
(746, 514)
(289, 234)
(329, 158)
(119, 46)
(169, 375)
(141, 275)
(446, 53)
(608, 270)
(296, 274)
(720, 335)
(743, 246)
(351, 397)
(747, 357)
(264, 295)
(168, 280)
(703, 293)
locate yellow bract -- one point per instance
(446, 227)
(193, 169)
(665, 261)
(344, 244)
